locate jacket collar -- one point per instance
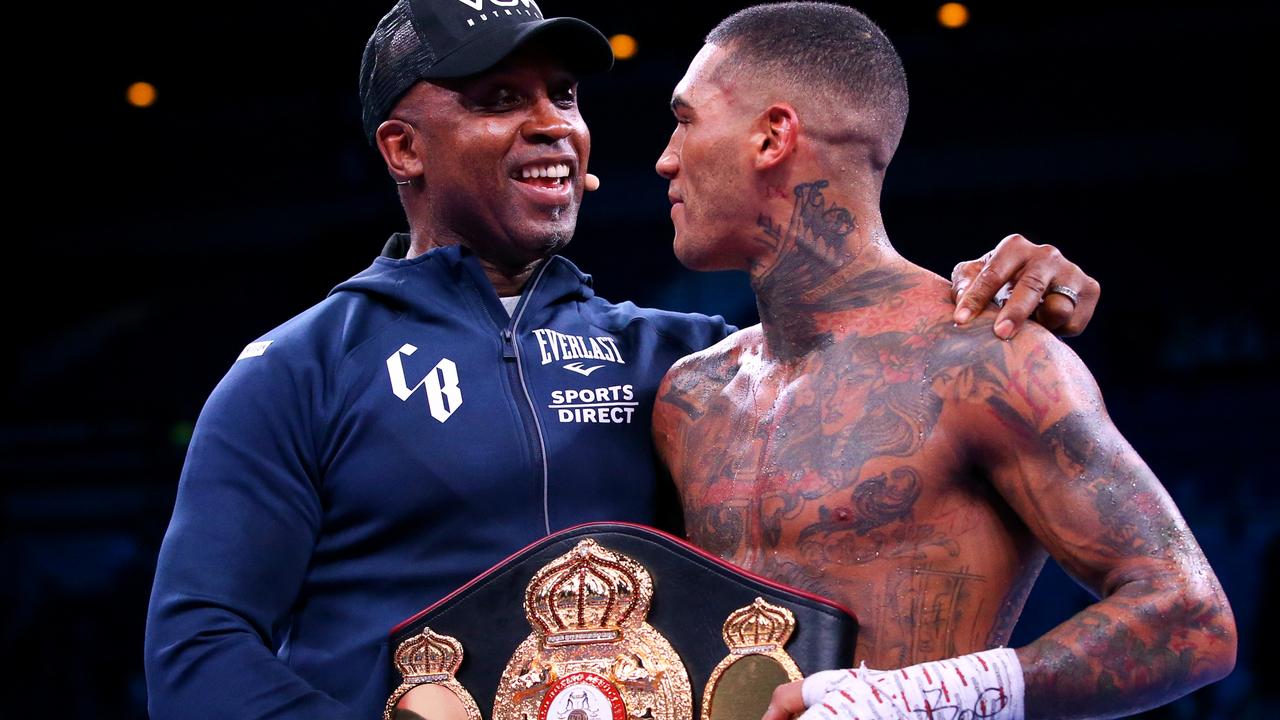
(560, 279)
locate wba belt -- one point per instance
(612, 621)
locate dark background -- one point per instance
(152, 245)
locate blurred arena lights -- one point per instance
(953, 15)
(141, 94)
(624, 46)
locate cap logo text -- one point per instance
(478, 5)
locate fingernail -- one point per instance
(963, 315)
(1004, 329)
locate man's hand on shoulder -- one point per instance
(1031, 281)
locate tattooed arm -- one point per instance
(1163, 626)
(670, 413)
(683, 398)
(697, 456)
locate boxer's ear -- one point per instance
(777, 133)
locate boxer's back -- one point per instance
(845, 472)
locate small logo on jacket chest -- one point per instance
(613, 405)
(440, 384)
(595, 351)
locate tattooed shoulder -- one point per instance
(1046, 380)
(691, 383)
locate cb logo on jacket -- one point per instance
(441, 384)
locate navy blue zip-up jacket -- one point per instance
(372, 454)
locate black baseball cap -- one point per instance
(437, 39)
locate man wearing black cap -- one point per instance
(459, 399)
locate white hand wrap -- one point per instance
(982, 685)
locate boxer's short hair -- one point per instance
(831, 48)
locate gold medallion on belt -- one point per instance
(592, 655)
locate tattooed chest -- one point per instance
(824, 468)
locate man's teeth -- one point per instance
(557, 170)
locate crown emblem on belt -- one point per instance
(428, 657)
(758, 628)
(588, 595)
(756, 662)
(592, 654)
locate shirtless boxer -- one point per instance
(858, 444)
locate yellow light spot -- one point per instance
(624, 46)
(953, 15)
(141, 94)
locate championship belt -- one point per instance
(613, 621)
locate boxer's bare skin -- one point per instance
(529, 83)
(860, 445)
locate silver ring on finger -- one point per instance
(1066, 292)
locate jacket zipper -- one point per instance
(511, 352)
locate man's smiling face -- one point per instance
(505, 152)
